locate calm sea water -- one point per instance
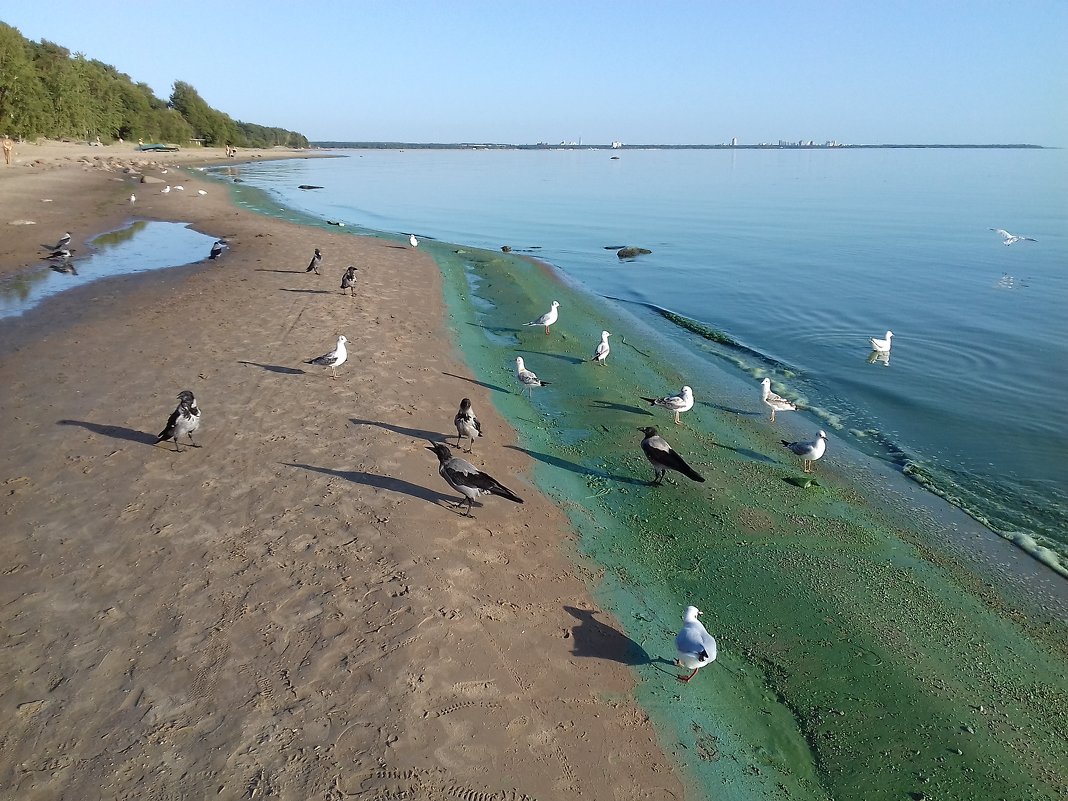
(790, 260)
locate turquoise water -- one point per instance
(140, 247)
(794, 259)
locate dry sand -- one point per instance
(290, 611)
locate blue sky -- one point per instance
(639, 72)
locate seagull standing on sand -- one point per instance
(883, 345)
(1011, 239)
(314, 263)
(694, 645)
(548, 318)
(333, 359)
(682, 402)
(413, 241)
(184, 420)
(348, 280)
(217, 249)
(601, 354)
(526, 378)
(133, 198)
(809, 451)
(663, 458)
(467, 479)
(467, 424)
(777, 403)
(165, 190)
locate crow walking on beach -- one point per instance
(184, 420)
(313, 265)
(467, 424)
(467, 479)
(348, 281)
(663, 458)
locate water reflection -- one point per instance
(137, 248)
(879, 357)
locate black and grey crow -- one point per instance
(663, 458)
(313, 265)
(467, 424)
(183, 421)
(467, 479)
(348, 280)
(217, 249)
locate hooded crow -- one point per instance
(313, 265)
(467, 479)
(663, 458)
(467, 424)
(184, 420)
(348, 280)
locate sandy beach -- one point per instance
(291, 610)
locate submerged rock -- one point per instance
(308, 186)
(632, 252)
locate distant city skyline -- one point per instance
(522, 73)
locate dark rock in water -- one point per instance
(238, 181)
(631, 252)
(506, 248)
(308, 186)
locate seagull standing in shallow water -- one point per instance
(467, 479)
(1011, 239)
(526, 378)
(548, 318)
(601, 354)
(883, 345)
(694, 645)
(333, 359)
(313, 265)
(184, 420)
(776, 402)
(663, 458)
(809, 450)
(682, 402)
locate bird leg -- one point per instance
(176, 448)
(677, 421)
(773, 415)
(687, 678)
(190, 435)
(546, 330)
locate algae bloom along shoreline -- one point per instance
(860, 655)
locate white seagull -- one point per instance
(682, 402)
(165, 190)
(526, 378)
(201, 192)
(1011, 239)
(548, 318)
(333, 359)
(179, 189)
(882, 345)
(413, 241)
(133, 198)
(603, 350)
(777, 403)
(694, 645)
(809, 451)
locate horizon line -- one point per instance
(378, 144)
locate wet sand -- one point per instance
(291, 610)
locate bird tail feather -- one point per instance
(504, 492)
(692, 474)
(650, 401)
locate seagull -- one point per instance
(184, 420)
(333, 359)
(526, 377)
(776, 402)
(201, 192)
(548, 318)
(348, 280)
(165, 190)
(63, 242)
(682, 402)
(603, 350)
(314, 263)
(809, 451)
(663, 458)
(133, 198)
(467, 479)
(882, 345)
(1011, 239)
(694, 645)
(875, 356)
(413, 241)
(179, 189)
(467, 424)
(217, 249)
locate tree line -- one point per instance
(45, 90)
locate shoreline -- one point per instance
(280, 612)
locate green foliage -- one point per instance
(47, 91)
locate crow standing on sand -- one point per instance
(348, 281)
(313, 265)
(184, 420)
(217, 249)
(467, 424)
(467, 479)
(663, 458)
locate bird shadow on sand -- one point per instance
(417, 433)
(379, 482)
(276, 368)
(115, 432)
(574, 467)
(498, 329)
(595, 639)
(494, 387)
(267, 270)
(731, 409)
(560, 356)
(748, 453)
(308, 291)
(620, 407)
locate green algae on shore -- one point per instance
(854, 661)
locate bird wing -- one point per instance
(325, 360)
(602, 350)
(462, 473)
(172, 421)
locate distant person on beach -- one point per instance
(9, 148)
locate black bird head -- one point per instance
(649, 431)
(465, 404)
(317, 253)
(186, 397)
(442, 451)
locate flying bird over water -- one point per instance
(467, 424)
(663, 458)
(314, 263)
(883, 345)
(348, 280)
(413, 241)
(682, 402)
(467, 479)
(548, 318)
(1011, 239)
(603, 350)
(809, 450)
(526, 378)
(184, 420)
(333, 359)
(777, 403)
(694, 645)
(217, 249)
